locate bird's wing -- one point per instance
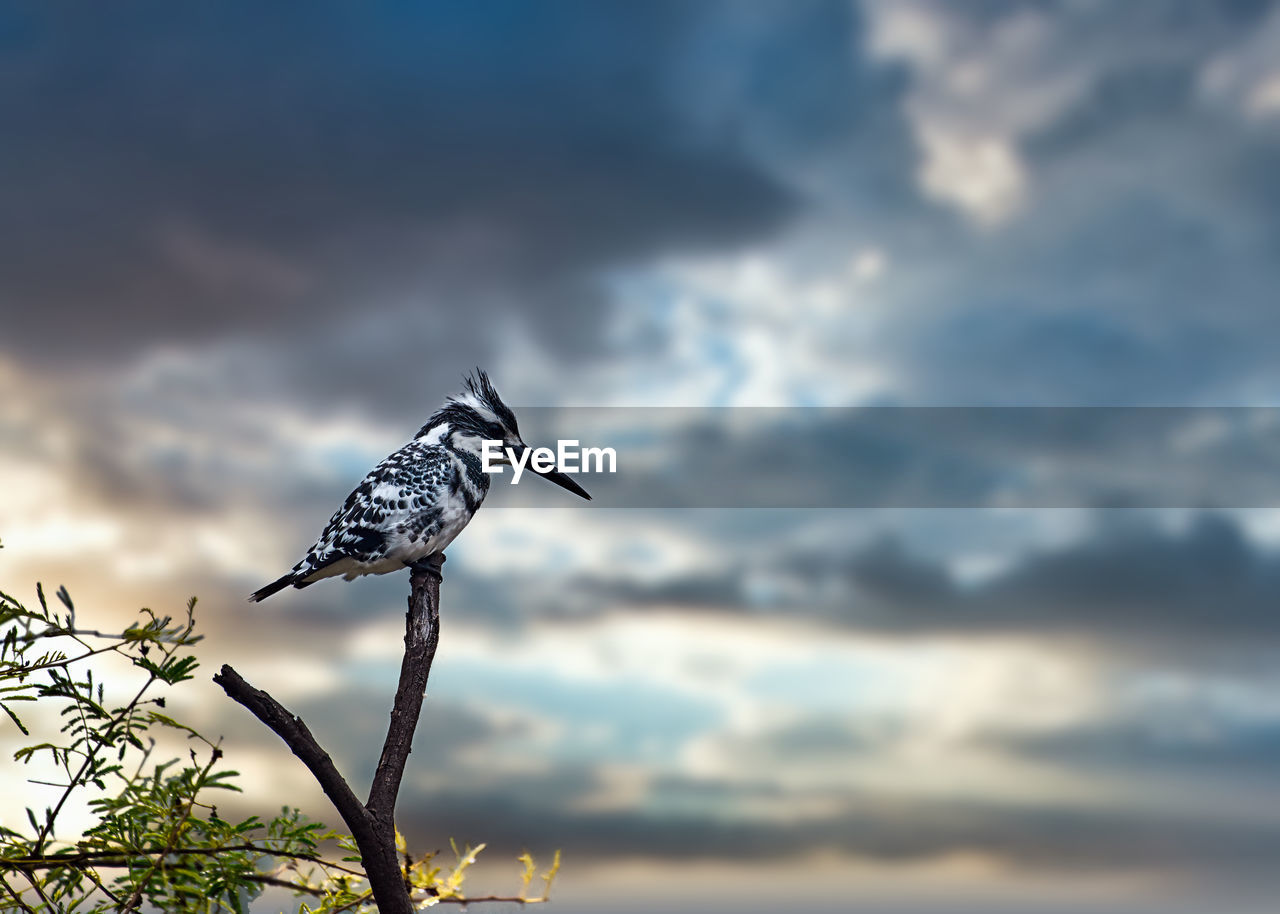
(399, 491)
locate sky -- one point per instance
(935, 340)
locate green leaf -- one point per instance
(14, 717)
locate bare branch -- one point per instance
(421, 635)
(372, 825)
(290, 728)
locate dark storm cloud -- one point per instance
(1127, 584)
(825, 739)
(1139, 297)
(1140, 265)
(181, 172)
(885, 828)
(1183, 744)
(1132, 580)
(1129, 579)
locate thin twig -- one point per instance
(268, 879)
(90, 756)
(125, 716)
(88, 871)
(277, 882)
(66, 661)
(354, 902)
(35, 884)
(118, 858)
(16, 895)
(180, 820)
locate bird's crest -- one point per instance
(477, 407)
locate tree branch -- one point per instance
(115, 858)
(372, 825)
(421, 635)
(294, 732)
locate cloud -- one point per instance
(1211, 749)
(978, 85)
(981, 175)
(1245, 75)
(1129, 199)
(1149, 586)
(986, 78)
(1201, 590)
(862, 826)
(229, 174)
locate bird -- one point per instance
(418, 499)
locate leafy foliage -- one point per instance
(156, 836)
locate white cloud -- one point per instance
(979, 87)
(40, 515)
(145, 474)
(929, 699)
(868, 264)
(1247, 75)
(976, 90)
(1264, 99)
(983, 176)
(766, 327)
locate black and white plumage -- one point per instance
(416, 501)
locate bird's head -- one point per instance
(477, 414)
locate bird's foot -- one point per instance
(430, 565)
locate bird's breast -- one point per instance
(432, 528)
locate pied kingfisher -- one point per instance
(413, 503)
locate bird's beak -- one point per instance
(560, 479)
(564, 482)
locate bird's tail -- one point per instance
(274, 587)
